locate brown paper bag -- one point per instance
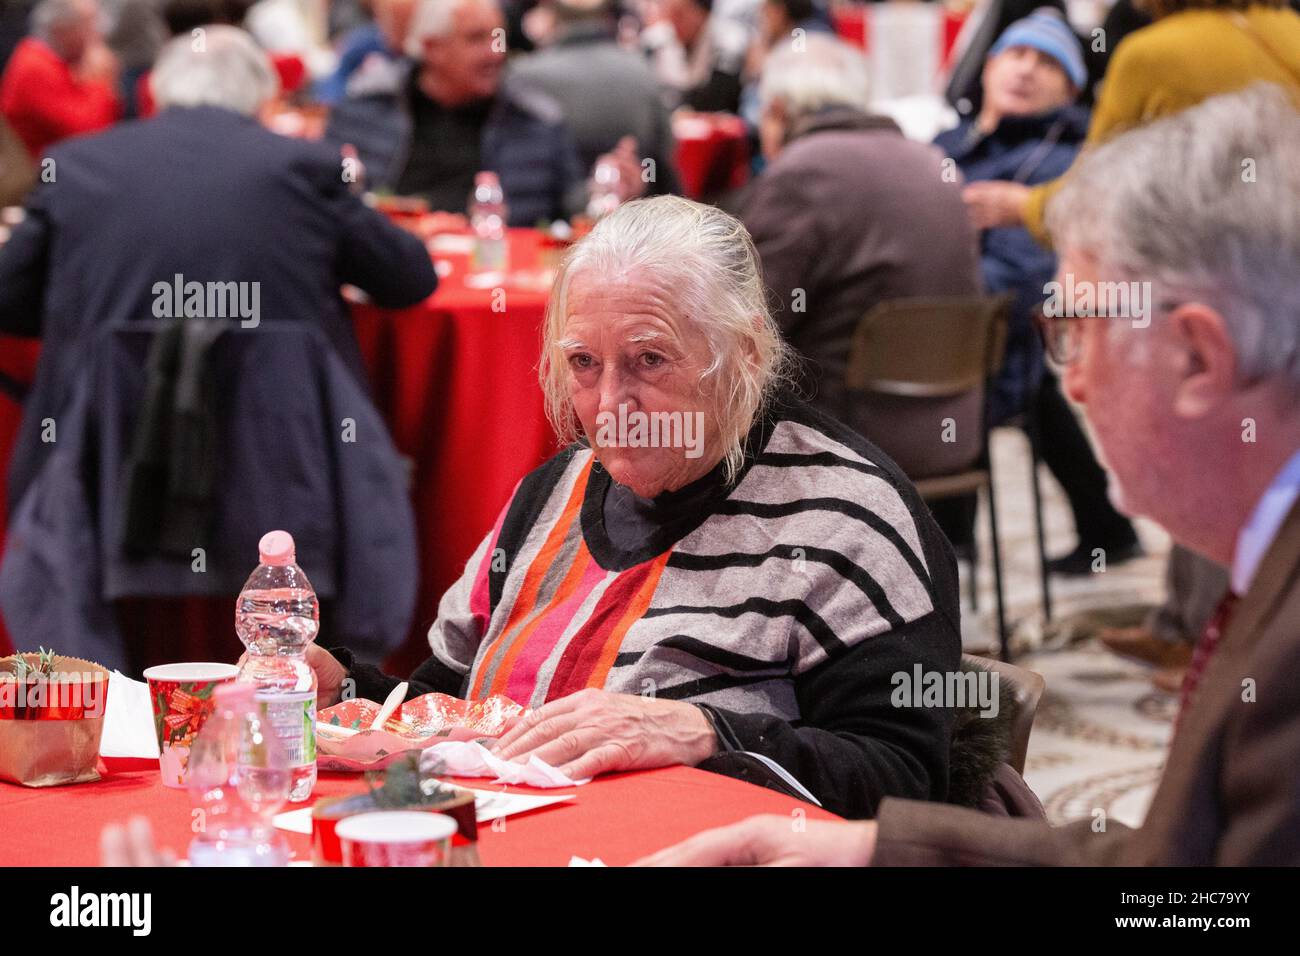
(50, 727)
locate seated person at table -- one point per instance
(749, 575)
(1028, 131)
(62, 80)
(201, 194)
(427, 128)
(850, 213)
(606, 92)
(698, 55)
(1165, 395)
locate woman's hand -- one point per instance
(330, 674)
(992, 203)
(594, 732)
(774, 841)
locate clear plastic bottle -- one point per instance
(487, 218)
(277, 617)
(238, 779)
(603, 190)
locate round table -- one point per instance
(618, 818)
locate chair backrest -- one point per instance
(1027, 689)
(929, 347)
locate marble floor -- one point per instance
(1101, 732)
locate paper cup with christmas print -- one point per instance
(182, 698)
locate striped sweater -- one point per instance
(785, 602)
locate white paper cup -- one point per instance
(182, 699)
(395, 838)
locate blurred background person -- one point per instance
(697, 55)
(1166, 401)
(1028, 131)
(61, 80)
(851, 213)
(135, 35)
(371, 52)
(1193, 50)
(606, 92)
(204, 193)
(452, 115)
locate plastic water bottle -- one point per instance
(277, 617)
(603, 190)
(487, 219)
(238, 779)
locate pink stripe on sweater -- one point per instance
(523, 675)
(479, 595)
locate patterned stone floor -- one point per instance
(1101, 732)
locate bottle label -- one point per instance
(294, 718)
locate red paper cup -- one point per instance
(182, 698)
(396, 838)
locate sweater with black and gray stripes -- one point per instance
(787, 602)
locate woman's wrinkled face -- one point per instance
(634, 367)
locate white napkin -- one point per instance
(128, 720)
(466, 758)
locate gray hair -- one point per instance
(1205, 205)
(226, 68)
(708, 260)
(433, 18)
(49, 14)
(813, 72)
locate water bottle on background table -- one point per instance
(276, 617)
(487, 219)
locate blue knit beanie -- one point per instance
(1045, 31)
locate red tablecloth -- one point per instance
(712, 153)
(618, 818)
(456, 380)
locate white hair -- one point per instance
(433, 18)
(708, 261)
(49, 14)
(222, 66)
(1204, 204)
(812, 72)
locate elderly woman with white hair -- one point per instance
(708, 566)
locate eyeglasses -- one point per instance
(1062, 336)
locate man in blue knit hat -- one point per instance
(1028, 131)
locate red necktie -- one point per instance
(1205, 647)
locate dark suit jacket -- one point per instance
(205, 193)
(1230, 794)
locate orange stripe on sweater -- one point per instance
(524, 605)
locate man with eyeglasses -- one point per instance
(1193, 394)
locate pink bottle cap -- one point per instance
(276, 548)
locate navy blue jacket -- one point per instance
(525, 142)
(1028, 150)
(211, 196)
(205, 193)
(295, 443)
